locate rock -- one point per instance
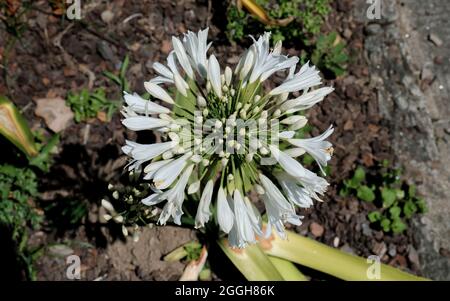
(348, 125)
(435, 39)
(316, 229)
(166, 46)
(60, 250)
(438, 60)
(379, 248)
(398, 261)
(56, 114)
(373, 29)
(105, 51)
(413, 256)
(336, 241)
(107, 16)
(366, 231)
(347, 33)
(392, 251)
(426, 73)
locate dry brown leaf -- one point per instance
(259, 12)
(56, 114)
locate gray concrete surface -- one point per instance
(408, 51)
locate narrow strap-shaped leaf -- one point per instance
(318, 256)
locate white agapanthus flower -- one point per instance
(224, 136)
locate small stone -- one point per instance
(435, 39)
(316, 229)
(107, 16)
(166, 46)
(438, 60)
(336, 241)
(413, 256)
(348, 125)
(427, 73)
(392, 250)
(366, 231)
(379, 248)
(347, 34)
(105, 51)
(373, 29)
(398, 260)
(60, 250)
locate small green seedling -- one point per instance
(86, 105)
(396, 201)
(18, 190)
(308, 16)
(120, 79)
(329, 54)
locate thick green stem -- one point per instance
(323, 258)
(251, 262)
(287, 269)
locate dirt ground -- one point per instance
(56, 56)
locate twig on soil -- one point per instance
(87, 131)
(209, 16)
(129, 18)
(85, 69)
(58, 38)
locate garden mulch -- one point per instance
(55, 56)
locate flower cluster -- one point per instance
(225, 136)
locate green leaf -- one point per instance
(308, 159)
(420, 202)
(412, 191)
(400, 194)
(385, 224)
(360, 175)
(374, 216)
(344, 192)
(124, 66)
(395, 212)
(365, 193)
(43, 159)
(409, 209)
(389, 196)
(398, 226)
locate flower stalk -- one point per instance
(315, 255)
(251, 262)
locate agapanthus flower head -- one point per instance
(224, 136)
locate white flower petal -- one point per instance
(162, 70)
(225, 216)
(168, 173)
(139, 123)
(306, 100)
(214, 75)
(158, 92)
(149, 151)
(141, 105)
(317, 147)
(306, 78)
(182, 57)
(203, 210)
